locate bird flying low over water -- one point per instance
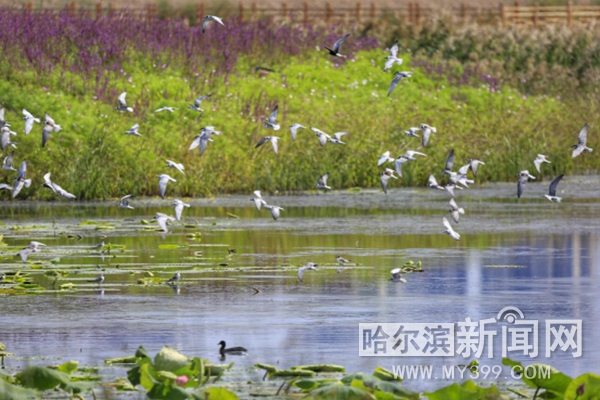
(208, 19)
(272, 139)
(397, 276)
(274, 210)
(308, 267)
(29, 120)
(455, 210)
(337, 138)
(432, 183)
(124, 202)
(455, 235)
(55, 188)
(336, 47)
(163, 179)
(122, 103)
(392, 58)
(523, 176)
(342, 261)
(258, 200)
(20, 181)
(397, 78)
(474, 164)
(385, 177)
(539, 160)
(323, 137)
(33, 247)
(294, 130)
(173, 164)
(5, 186)
(179, 205)
(581, 142)
(322, 182)
(552, 190)
(198, 102)
(271, 122)
(408, 156)
(133, 130)
(449, 163)
(162, 219)
(427, 133)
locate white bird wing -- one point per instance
(397, 78)
(178, 210)
(464, 169)
(195, 143)
(383, 158)
(121, 99)
(273, 115)
(447, 224)
(398, 164)
(432, 181)
(274, 143)
(22, 170)
(49, 182)
(538, 162)
(338, 43)
(338, 135)
(323, 137)
(394, 50)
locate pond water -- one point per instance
(552, 252)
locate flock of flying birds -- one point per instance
(456, 180)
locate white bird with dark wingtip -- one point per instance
(177, 166)
(432, 183)
(46, 131)
(581, 142)
(385, 177)
(323, 137)
(8, 162)
(5, 138)
(198, 101)
(179, 206)
(122, 103)
(461, 176)
(50, 121)
(408, 156)
(474, 164)
(3, 122)
(162, 220)
(385, 158)
(294, 129)
(25, 252)
(124, 202)
(29, 120)
(203, 138)
(392, 58)
(275, 210)
(5, 186)
(337, 138)
(455, 210)
(539, 160)
(271, 122)
(397, 276)
(272, 139)
(169, 109)
(427, 133)
(412, 132)
(20, 181)
(322, 182)
(208, 19)
(134, 130)
(308, 267)
(397, 78)
(455, 235)
(523, 176)
(163, 179)
(258, 200)
(552, 190)
(56, 188)
(336, 47)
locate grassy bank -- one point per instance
(75, 71)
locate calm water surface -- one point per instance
(291, 323)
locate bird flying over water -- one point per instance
(271, 122)
(208, 19)
(163, 179)
(455, 210)
(294, 130)
(453, 234)
(179, 205)
(408, 156)
(385, 158)
(397, 78)
(581, 142)
(55, 188)
(122, 103)
(552, 190)
(385, 177)
(397, 276)
(523, 176)
(21, 180)
(449, 163)
(203, 138)
(162, 220)
(392, 58)
(124, 202)
(322, 182)
(308, 267)
(539, 160)
(258, 200)
(336, 47)
(432, 183)
(274, 210)
(272, 139)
